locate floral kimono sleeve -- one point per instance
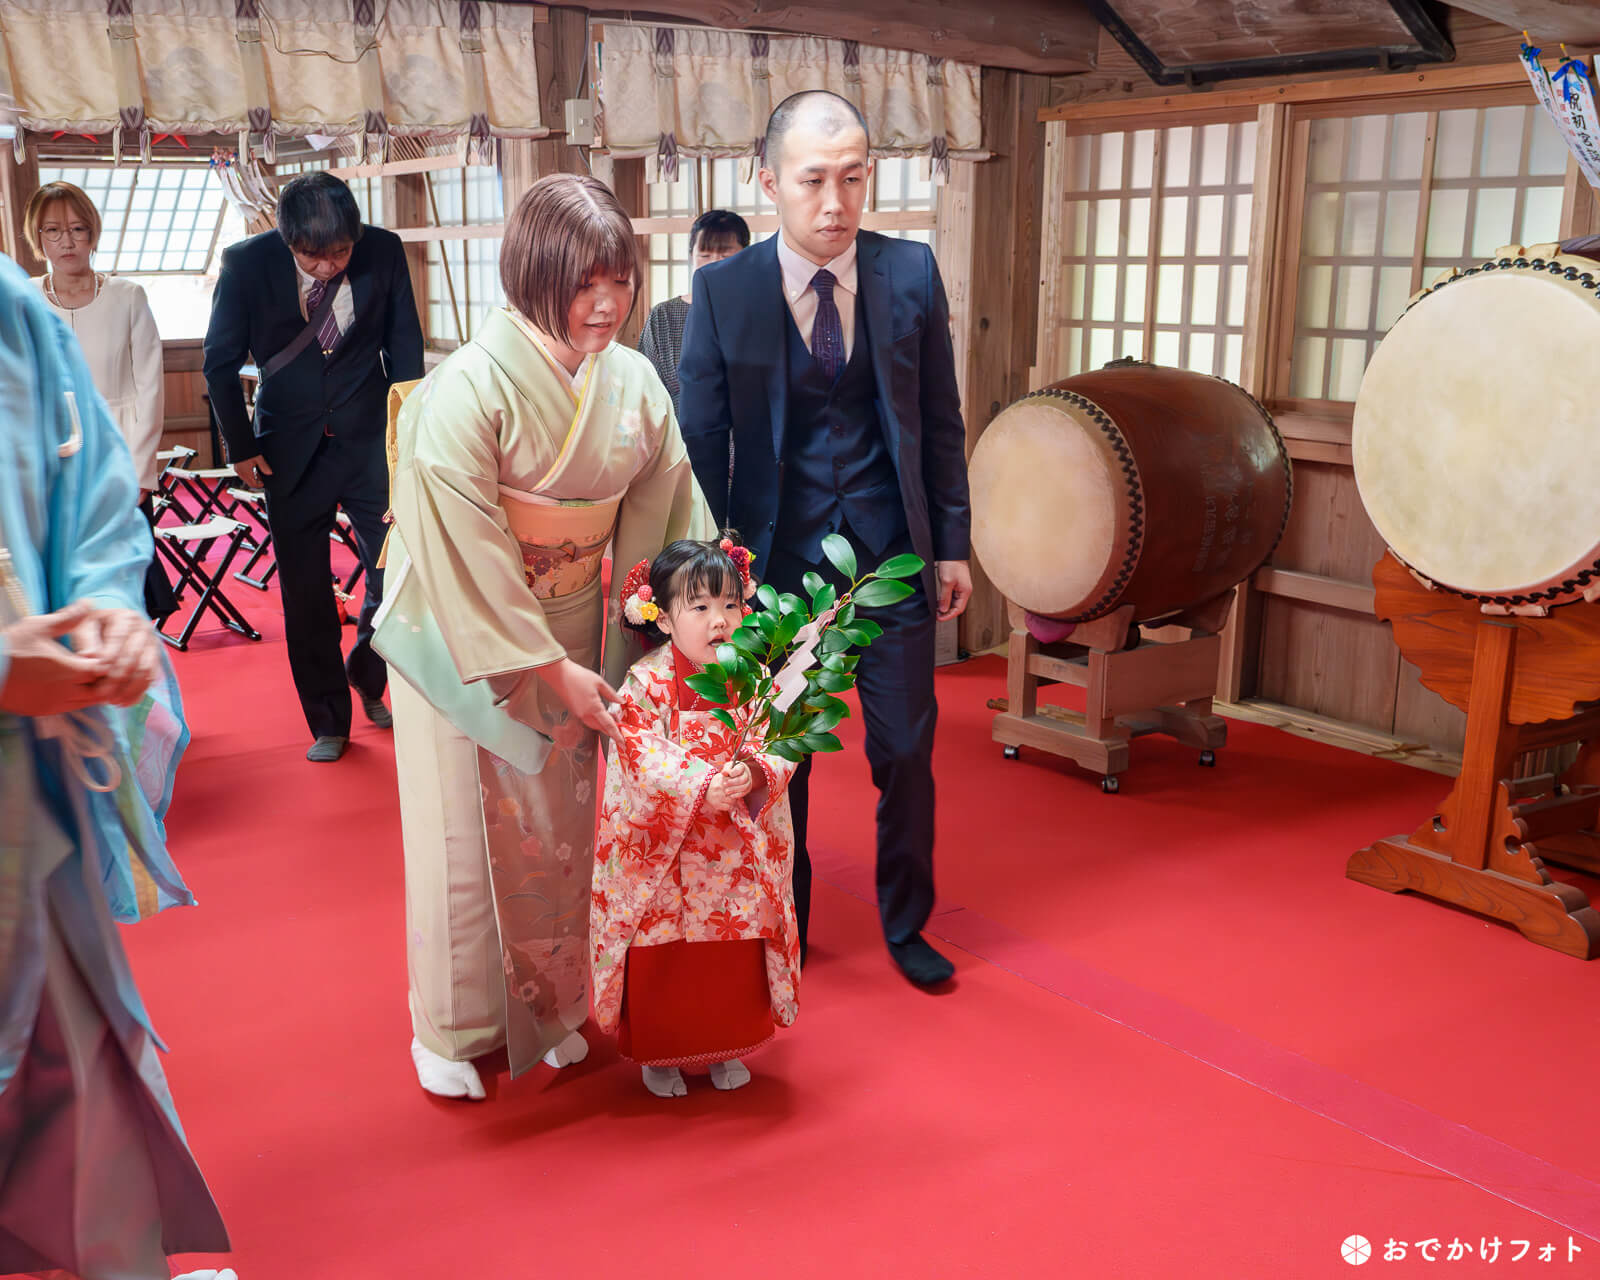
(655, 789)
(771, 776)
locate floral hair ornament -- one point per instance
(741, 557)
(637, 606)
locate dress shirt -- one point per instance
(344, 303)
(802, 298)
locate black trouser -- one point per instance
(895, 680)
(353, 475)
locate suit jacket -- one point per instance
(734, 387)
(255, 313)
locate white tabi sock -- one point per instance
(731, 1074)
(665, 1082)
(443, 1078)
(227, 1273)
(572, 1050)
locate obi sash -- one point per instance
(562, 540)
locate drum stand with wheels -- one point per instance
(1148, 687)
(1525, 683)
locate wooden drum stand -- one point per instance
(1525, 683)
(1151, 687)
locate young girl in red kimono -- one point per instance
(692, 925)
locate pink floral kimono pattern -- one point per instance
(667, 869)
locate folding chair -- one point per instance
(186, 547)
(208, 490)
(252, 503)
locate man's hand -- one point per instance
(124, 643)
(46, 678)
(732, 784)
(252, 471)
(955, 587)
(585, 693)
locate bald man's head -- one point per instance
(813, 109)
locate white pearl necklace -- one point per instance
(50, 291)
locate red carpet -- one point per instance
(1180, 1043)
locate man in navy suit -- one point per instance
(822, 355)
(317, 440)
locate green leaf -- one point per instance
(788, 604)
(728, 658)
(828, 717)
(787, 751)
(846, 615)
(833, 681)
(841, 555)
(767, 624)
(789, 627)
(726, 717)
(827, 702)
(882, 591)
(905, 566)
(812, 582)
(840, 662)
(715, 671)
(867, 629)
(821, 742)
(749, 639)
(823, 597)
(710, 689)
(834, 640)
(768, 595)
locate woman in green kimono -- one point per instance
(520, 458)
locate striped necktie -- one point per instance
(328, 332)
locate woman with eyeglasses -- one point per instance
(114, 325)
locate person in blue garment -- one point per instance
(96, 1178)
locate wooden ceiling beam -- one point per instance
(1547, 21)
(1052, 37)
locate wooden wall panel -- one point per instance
(188, 412)
(1325, 660)
(1421, 715)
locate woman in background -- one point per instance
(716, 234)
(112, 321)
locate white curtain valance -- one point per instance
(273, 67)
(669, 91)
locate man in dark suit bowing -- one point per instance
(324, 306)
(823, 354)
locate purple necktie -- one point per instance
(827, 334)
(328, 331)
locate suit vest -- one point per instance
(837, 471)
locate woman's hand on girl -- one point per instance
(585, 693)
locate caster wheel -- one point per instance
(1011, 753)
(1208, 759)
(1110, 785)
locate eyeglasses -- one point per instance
(57, 235)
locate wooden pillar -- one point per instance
(18, 182)
(628, 181)
(405, 198)
(989, 250)
(1241, 638)
(560, 48)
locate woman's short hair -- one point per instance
(565, 227)
(78, 206)
(317, 212)
(720, 228)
